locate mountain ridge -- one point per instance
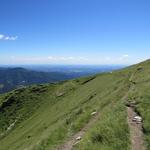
(11, 78)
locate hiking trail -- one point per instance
(136, 130)
(73, 140)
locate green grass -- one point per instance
(46, 116)
(109, 133)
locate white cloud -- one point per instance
(12, 38)
(82, 58)
(1, 36)
(107, 58)
(47, 60)
(125, 55)
(50, 57)
(70, 58)
(9, 38)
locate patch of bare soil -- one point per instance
(135, 130)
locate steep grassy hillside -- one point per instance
(44, 117)
(11, 78)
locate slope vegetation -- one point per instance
(47, 116)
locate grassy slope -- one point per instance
(46, 116)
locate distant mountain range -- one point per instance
(11, 78)
(74, 69)
(18, 77)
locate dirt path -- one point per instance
(73, 140)
(135, 130)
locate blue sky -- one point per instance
(74, 31)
